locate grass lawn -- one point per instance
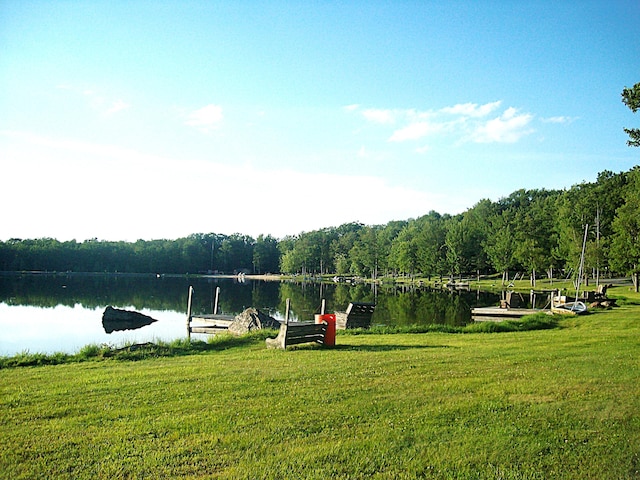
(558, 403)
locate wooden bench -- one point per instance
(358, 315)
(293, 333)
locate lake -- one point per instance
(42, 313)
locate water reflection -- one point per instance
(46, 313)
(114, 319)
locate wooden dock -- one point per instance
(499, 314)
(210, 323)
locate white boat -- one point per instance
(569, 308)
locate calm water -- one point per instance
(62, 313)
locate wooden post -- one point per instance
(532, 298)
(322, 306)
(215, 304)
(189, 312)
(286, 313)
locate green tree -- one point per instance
(430, 241)
(266, 256)
(342, 264)
(625, 248)
(366, 252)
(631, 98)
(287, 255)
(533, 227)
(477, 224)
(403, 252)
(463, 244)
(455, 243)
(500, 245)
(343, 239)
(236, 253)
(385, 237)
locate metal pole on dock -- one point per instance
(189, 312)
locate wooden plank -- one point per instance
(503, 312)
(207, 317)
(307, 332)
(296, 341)
(208, 330)
(308, 337)
(305, 328)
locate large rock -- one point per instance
(114, 319)
(252, 319)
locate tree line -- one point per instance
(539, 232)
(197, 253)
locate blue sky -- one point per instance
(158, 119)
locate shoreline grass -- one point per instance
(559, 403)
(182, 346)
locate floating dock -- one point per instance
(499, 314)
(209, 322)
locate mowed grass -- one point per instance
(557, 403)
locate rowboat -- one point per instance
(569, 308)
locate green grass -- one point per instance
(562, 403)
(180, 347)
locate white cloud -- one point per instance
(559, 119)
(507, 128)
(85, 207)
(459, 123)
(351, 108)
(415, 131)
(379, 115)
(118, 106)
(206, 118)
(96, 99)
(472, 109)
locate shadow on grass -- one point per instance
(385, 348)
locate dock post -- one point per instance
(286, 313)
(215, 304)
(322, 306)
(532, 299)
(189, 312)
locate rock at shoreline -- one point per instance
(252, 319)
(114, 319)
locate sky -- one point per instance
(126, 120)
